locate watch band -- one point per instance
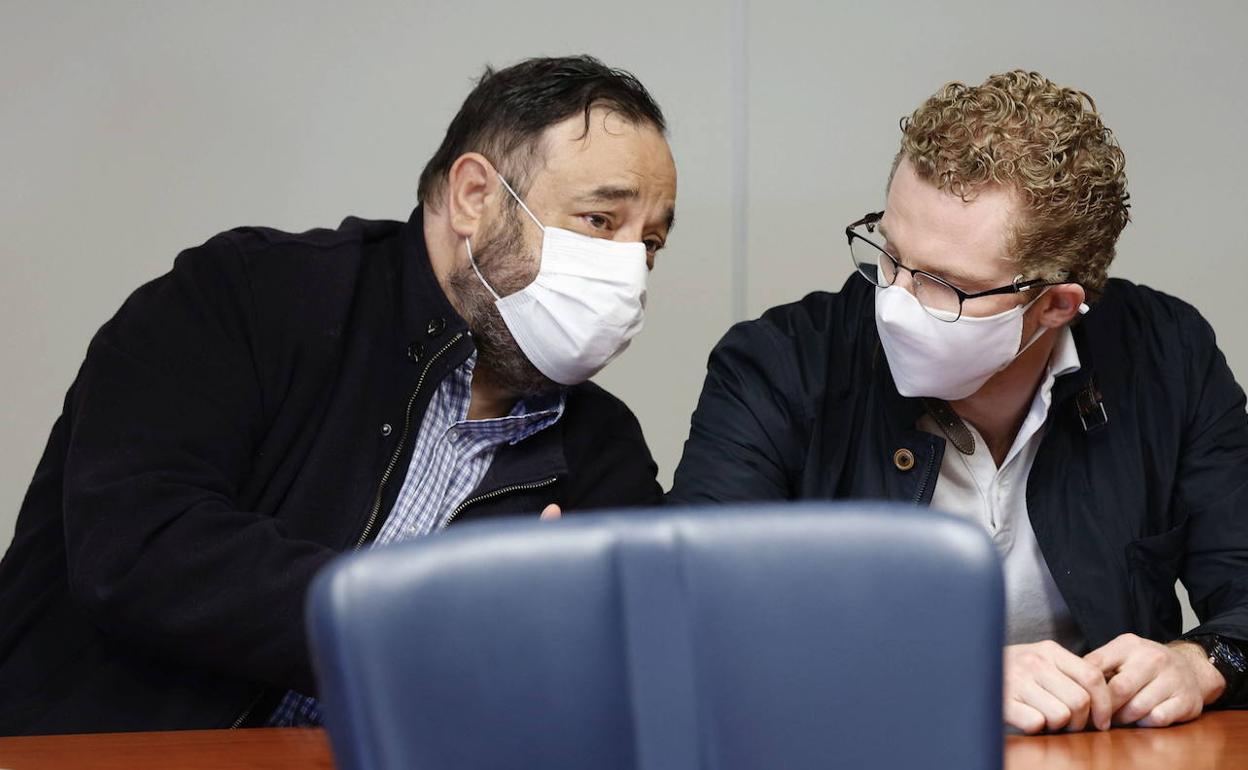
(1226, 656)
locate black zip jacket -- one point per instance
(238, 423)
(801, 404)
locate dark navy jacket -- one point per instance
(223, 440)
(801, 404)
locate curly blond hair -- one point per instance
(1048, 145)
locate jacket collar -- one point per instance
(427, 317)
(902, 412)
(534, 460)
(1067, 385)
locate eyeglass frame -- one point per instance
(1018, 286)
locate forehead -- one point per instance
(611, 152)
(939, 230)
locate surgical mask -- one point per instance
(583, 308)
(936, 359)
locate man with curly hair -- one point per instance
(987, 366)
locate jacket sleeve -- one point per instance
(166, 413)
(746, 436)
(617, 471)
(1211, 494)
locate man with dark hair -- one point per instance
(981, 361)
(279, 398)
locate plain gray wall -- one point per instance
(134, 129)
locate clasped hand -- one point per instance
(1130, 680)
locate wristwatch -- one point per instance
(1227, 658)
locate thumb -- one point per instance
(551, 511)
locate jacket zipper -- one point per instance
(398, 449)
(498, 493)
(385, 477)
(250, 707)
(927, 474)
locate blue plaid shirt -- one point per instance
(449, 459)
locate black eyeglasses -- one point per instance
(941, 299)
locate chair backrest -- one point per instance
(775, 636)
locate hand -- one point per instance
(551, 511)
(1049, 688)
(1155, 685)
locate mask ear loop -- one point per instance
(1083, 310)
(477, 270)
(1039, 332)
(1083, 306)
(468, 241)
(536, 221)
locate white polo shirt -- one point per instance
(973, 487)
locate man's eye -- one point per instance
(598, 221)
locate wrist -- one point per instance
(1210, 681)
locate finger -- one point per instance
(1090, 679)
(1136, 674)
(551, 511)
(1056, 714)
(1109, 657)
(1148, 698)
(1023, 717)
(1070, 693)
(1171, 711)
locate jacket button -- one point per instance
(903, 459)
(436, 327)
(415, 352)
(386, 430)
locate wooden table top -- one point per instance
(258, 749)
(1216, 741)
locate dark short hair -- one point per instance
(509, 109)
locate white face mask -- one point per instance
(936, 359)
(583, 308)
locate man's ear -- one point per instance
(470, 183)
(1061, 304)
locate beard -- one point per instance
(502, 260)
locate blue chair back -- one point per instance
(773, 636)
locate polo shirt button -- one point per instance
(415, 352)
(436, 327)
(903, 459)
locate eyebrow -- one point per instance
(613, 193)
(954, 276)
